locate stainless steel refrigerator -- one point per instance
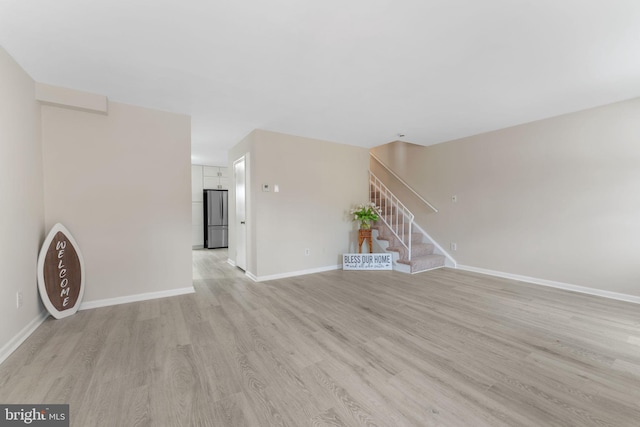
(216, 223)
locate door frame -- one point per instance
(237, 235)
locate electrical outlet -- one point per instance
(454, 246)
(19, 299)
(307, 252)
(454, 199)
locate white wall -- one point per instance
(121, 184)
(197, 208)
(555, 199)
(319, 182)
(21, 200)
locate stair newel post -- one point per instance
(377, 194)
(395, 215)
(401, 224)
(386, 204)
(403, 236)
(410, 238)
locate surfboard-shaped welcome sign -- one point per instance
(60, 273)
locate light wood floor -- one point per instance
(443, 348)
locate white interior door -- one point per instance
(241, 213)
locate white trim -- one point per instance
(21, 336)
(134, 298)
(553, 284)
(294, 273)
(231, 262)
(428, 269)
(251, 276)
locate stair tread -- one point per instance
(424, 263)
(417, 249)
(414, 247)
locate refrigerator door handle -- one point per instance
(209, 210)
(221, 209)
(225, 210)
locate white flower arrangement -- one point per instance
(365, 213)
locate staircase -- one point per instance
(396, 233)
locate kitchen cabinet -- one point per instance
(215, 178)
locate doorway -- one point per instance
(240, 179)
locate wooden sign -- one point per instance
(60, 273)
(367, 262)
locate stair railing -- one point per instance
(391, 211)
(403, 182)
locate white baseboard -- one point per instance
(251, 276)
(134, 298)
(231, 262)
(293, 273)
(15, 342)
(429, 269)
(553, 284)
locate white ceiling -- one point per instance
(352, 71)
